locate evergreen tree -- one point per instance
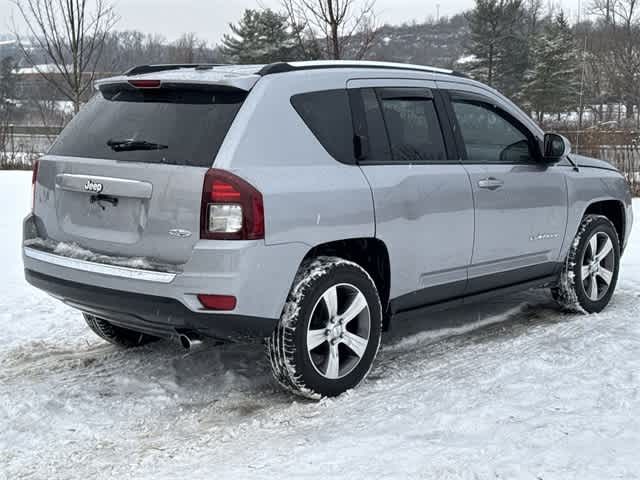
(497, 43)
(553, 81)
(261, 36)
(512, 64)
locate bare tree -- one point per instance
(71, 33)
(622, 24)
(534, 13)
(189, 49)
(345, 28)
(300, 28)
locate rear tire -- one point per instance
(122, 337)
(588, 279)
(329, 333)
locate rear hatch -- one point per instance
(125, 177)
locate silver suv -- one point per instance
(312, 203)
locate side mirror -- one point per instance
(555, 146)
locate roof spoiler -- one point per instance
(142, 69)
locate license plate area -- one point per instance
(101, 217)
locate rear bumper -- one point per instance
(103, 269)
(258, 275)
(159, 316)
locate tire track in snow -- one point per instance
(410, 374)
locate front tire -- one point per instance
(330, 329)
(590, 273)
(119, 336)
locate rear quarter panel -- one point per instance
(309, 197)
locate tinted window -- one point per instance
(372, 144)
(378, 141)
(489, 136)
(413, 129)
(172, 126)
(328, 116)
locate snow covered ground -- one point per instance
(511, 390)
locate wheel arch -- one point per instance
(370, 253)
(614, 210)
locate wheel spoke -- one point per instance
(358, 304)
(316, 338)
(605, 250)
(333, 362)
(342, 302)
(585, 272)
(593, 244)
(593, 288)
(330, 298)
(356, 344)
(606, 275)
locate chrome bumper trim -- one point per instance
(100, 268)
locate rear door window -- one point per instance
(412, 124)
(177, 126)
(328, 115)
(371, 134)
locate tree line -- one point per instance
(534, 55)
(549, 66)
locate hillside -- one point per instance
(438, 44)
(431, 43)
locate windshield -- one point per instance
(178, 126)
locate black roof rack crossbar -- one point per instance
(141, 69)
(283, 67)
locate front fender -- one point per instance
(589, 186)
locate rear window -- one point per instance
(174, 126)
(328, 115)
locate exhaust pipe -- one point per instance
(190, 341)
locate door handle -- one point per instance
(490, 183)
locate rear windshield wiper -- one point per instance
(130, 145)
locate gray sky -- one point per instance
(210, 18)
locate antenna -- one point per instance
(581, 96)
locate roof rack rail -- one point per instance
(278, 67)
(141, 69)
(283, 67)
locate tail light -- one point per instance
(231, 209)
(34, 179)
(217, 302)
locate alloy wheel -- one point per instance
(338, 331)
(598, 265)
